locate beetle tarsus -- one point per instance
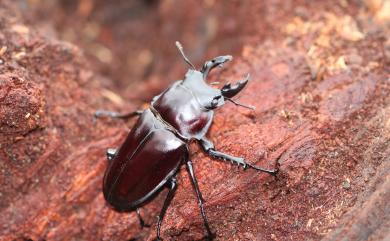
(190, 170)
(172, 188)
(271, 172)
(239, 161)
(141, 220)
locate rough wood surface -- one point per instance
(321, 87)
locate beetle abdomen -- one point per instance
(147, 159)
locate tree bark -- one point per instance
(320, 85)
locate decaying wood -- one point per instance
(320, 85)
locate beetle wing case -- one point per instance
(150, 155)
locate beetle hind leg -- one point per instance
(172, 188)
(190, 170)
(141, 220)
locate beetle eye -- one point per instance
(214, 102)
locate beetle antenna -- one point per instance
(180, 48)
(239, 104)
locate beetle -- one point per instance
(157, 145)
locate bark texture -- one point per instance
(320, 84)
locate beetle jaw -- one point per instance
(229, 91)
(216, 62)
(220, 60)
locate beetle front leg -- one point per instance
(208, 147)
(190, 170)
(172, 188)
(113, 114)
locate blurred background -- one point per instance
(130, 41)
(321, 88)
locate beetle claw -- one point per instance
(271, 172)
(230, 91)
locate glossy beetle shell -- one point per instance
(150, 155)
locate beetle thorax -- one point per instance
(185, 105)
(204, 93)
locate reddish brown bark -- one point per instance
(320, 85)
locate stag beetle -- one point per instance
(157, 145)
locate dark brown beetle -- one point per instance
(157, 145)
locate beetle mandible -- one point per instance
(157, 145)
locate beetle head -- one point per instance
(209, 97)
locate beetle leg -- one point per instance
(228, 91)
(110, 153)
(172, 188)
(208, 147)
(118, 115)
(190, 170)
(141, 220)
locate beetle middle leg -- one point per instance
(172, 188)
(208, 147)
(190, 170)
(118, 115)
(141, 220)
